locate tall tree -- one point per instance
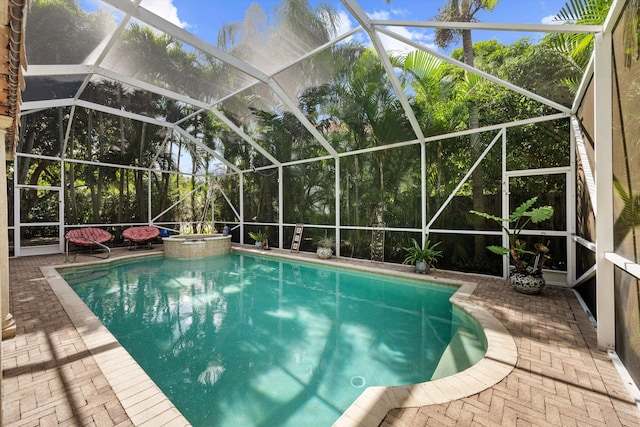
(465, 11)
(269, 41)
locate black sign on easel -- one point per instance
(297, 237)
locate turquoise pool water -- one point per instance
(244, 340)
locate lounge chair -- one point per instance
(88, 238)
(140, 235)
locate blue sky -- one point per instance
(205, 17)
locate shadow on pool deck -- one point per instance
(51, 377)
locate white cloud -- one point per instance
(164, 9)
(552, 20)
(345, 24)
(381, 14)
(396, 46)
(390, 44)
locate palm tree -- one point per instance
(577, 48)
(299, 28)
(466, 11)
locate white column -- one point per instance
(504, 213)
(423, 191)
(338, 194)
(605, 297)
(241, 219)
(149, 208)
(8, 324)
(280, 207)
(571, 210)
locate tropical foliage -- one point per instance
(346, 96)
(427, 253)
(577, 48)
(513, 225)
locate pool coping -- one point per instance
(373, 404)
(147, 405)
(141, 398)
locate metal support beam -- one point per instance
(241, 185)
(209, 150)
(492, 26)
(605, 296)
(571, 214)
(280, 207)
(423, 191)
(505, 202)
(338, 194)
(465, 178)
(362, 17)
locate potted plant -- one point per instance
(261, 238)
(422, 257)
(526, 277)
(325, 246)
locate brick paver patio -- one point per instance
(50, 376)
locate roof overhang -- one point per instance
(12, 62)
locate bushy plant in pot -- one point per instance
(525, 277)
(325, 246)
(261, 238)
(423, 257)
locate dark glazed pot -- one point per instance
(526, 283)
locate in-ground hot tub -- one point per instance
(196, 245)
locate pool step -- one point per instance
(462, 352)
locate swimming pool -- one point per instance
(250, 340)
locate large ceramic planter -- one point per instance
(526, 283)
(422, 267)
(324, 253)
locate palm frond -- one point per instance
(587, 12)
(422, 63)
(631, 210)
(467, 87)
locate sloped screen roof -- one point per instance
(255, 66)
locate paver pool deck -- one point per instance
(54, 376)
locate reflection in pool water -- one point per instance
(246, 340)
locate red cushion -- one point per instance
(141, 234)
(87, 236)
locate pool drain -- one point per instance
(357, 381)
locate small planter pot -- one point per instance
(259, 245)
(422, 267)
(526, 283)
(324, 253)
